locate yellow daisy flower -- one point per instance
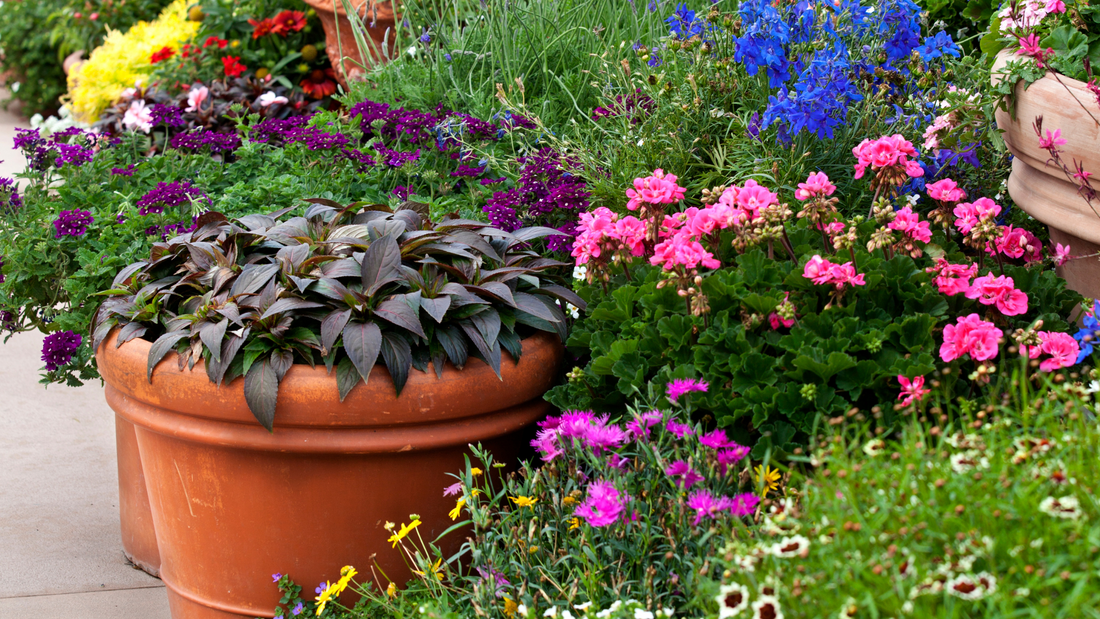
(325, 597)
(475, 471)
(574, 523)
(405, 529)
(458, 509)
(436, 570)
(768, 477)
(391, 590)
(523, 501)
(510, 607)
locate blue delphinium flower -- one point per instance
(1089, 335)
(819, 99)
(683, 24)
(762, 44)
(938, 46)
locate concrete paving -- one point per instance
(60, 548)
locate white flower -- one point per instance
(732, 599)
(270, 98)
(766, 607)
(195, 98)
(641, 613)
(138, 117)
(668, 613)
(580, 272)
(967, 460)
(790, 547)
(582, 607)
(970, 587)
(907, 607)
(849, 609)
(874, 447)
(572, 310)
(1067, 507)
(521, 610)
(565, 614)
(551, 612)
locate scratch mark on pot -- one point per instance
(184, 484)
(405, 448)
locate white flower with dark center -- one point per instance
(732, 599)
(968, 460)
(1067, 507)
(848, 610)
(790, 547)
(971, 587)
(874, 447)
(767, 607)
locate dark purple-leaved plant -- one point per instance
(341, 285)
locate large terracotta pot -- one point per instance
(378, 21)
(233, 504)
(139, 540)
(1041, 188)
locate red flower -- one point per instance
(288, 21)
(261, 28)
(233, 66)
(212, 40)
(191, 50)
(318, 85)
(164, 54)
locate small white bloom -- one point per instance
(572, 310)
(521, 610)
(1067, 507)
(270, 98)
(582, 607)
(907, 607)
(565, 614)
(790, 547)
(580, 272)
(874, 447)
(732, 599)
(641, 613)
(551, 612)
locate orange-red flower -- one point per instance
(320, 84)
(288, 21)
(213, 40)
(261, 28)
(233, 66)
(163, 53)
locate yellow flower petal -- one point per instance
(523, 501)
(454, 513)
(405, 529)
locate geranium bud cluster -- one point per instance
(977, 221)
(815, 193)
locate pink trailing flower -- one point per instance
(999, 291)
(1029, 46)
(908, 223)
(138, 116)
(945, 191)
(1062, 348)
(1055, 6)
(817, 185)
(196, 96)
(680, 386)
(1053, 139)
(821, 271)
(886, 151)
(603, 505)
(970, 214)
(683, 475)
(660, 188)
(970, 336)
(834, 228)
(592, 231)
(1061, 254)
(911, 390)
(1019, 243)
(952, 279)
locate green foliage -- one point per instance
(1002, 495)
(80, 25)
(31, 56)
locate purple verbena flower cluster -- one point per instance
(72, 223)
(394, 158)
(167, 115)
(548, 192)
(9, 196)
(358, 157)
(127, 171)
(199, 139)
(465, 170)
(58, 348)
(61, 149)
(168, 195)
(296, 130)
(167, 231)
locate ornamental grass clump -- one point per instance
(989, 512)
(123, 60)
(614, 514)
(342, 285)
(791, 311)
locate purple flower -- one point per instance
(199, 139)
(717, 440)
(402, 192)
(680, 386)
(167, 115)
(495, 578)
(58, 348)
(639, 427)
(453, 489)
(74, 154)
(500, 209)
(601, 437)
(321, 587)
(682, 474)
(741, 504)
(168, 195)
(297, 609)
(358, 157)
(7, 320)
(1, 269)
(492, 181)
(275, 577)
(72, 223)
(9, 195)
(727, 457)
(681, 430)
(396, 159)
(603, 505)
(465, 170)
(127, 171)
(705, 505)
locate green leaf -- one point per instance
(826, 367)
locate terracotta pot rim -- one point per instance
(308, 397)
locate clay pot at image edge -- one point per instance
(139, 540)
(1041, 189)
(379, 23)
(233, 504)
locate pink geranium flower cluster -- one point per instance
(999, 291)
(659, 188)
(908, 223)
(952, 279)
(970, 214)
(970, 336)
(682, 233)
(1018, 243)
(889, 151)
(602, 232)
(751, 198)
(945, 190)
(821, 271)
(1062, 348)
(817, 185)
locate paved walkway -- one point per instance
(60, 551)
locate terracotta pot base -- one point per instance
(139, 540)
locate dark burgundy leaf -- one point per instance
(454, 345)
(252, 278)
(397, 311)
(437, 307)
(397, 354)
(128, 332)
(211, 334)
(125, 274)
(564, 294)
(347, 377)
(164, 344)
(287, 304)
(532, 305)
(261, 391)
(331, 327)
(381, 264)
(362, 341)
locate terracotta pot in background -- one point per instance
(139, 540)
(1042, 189)
(233, 504)
(378, 20)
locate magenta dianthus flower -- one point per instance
(603, 505)
(741, 504)
(683, 475)
(679, 429)
(680, 386)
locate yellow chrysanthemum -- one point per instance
(568, 500)
(405, 529)
(475, 471)
(574, 523)
(510, 607)
(768, 477)
(458, 509)
(391, 590)
(523, 501)
(346, 574)
(325, 597)
(436, 570)
(123, 60)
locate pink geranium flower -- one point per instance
(1019, 243)
(817, 184)
(821, 271)
(970, 336)
(952, 279)
(945, 191)
(970, 214)
(138, 116)
(1061, 254)
(195, 97)
(1061, 347)
(754, 196)
(999, 291)
(659, 188)
(886, 151)
(911, 390)
(908, 223)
